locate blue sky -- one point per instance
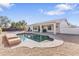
(40, 12)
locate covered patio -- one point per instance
(45, 27)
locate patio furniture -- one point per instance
(10, 40)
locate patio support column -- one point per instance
(54, 28)
(40, 28)
(32, 29)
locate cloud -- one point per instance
(5, 5)
(65, 6)
(55, 12)
(60, 9)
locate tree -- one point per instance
(13, 25)
(21, 25)
(4, 21)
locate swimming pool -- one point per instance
(35, 37)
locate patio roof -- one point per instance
(50, 22)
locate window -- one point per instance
(57, 26)
(49, 27)
(35, 28)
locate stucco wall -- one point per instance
(69, 30)
(64, 28)
(63, 24)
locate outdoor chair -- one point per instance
(10, 40)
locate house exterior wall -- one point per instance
(69, 30)
(46, 27)
(58, 28)
(61, 27)
(66, 29)
(35, 30)
(63, 24)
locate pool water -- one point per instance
(35, 37)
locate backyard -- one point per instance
(70, 47)
(30, 20)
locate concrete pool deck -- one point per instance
(44, 44)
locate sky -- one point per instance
(40, 12)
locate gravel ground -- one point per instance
(64, 50)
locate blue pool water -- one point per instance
(35, 37)
(23, 37)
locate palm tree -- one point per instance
(24, 24)
(19, 25)
(13, 25)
